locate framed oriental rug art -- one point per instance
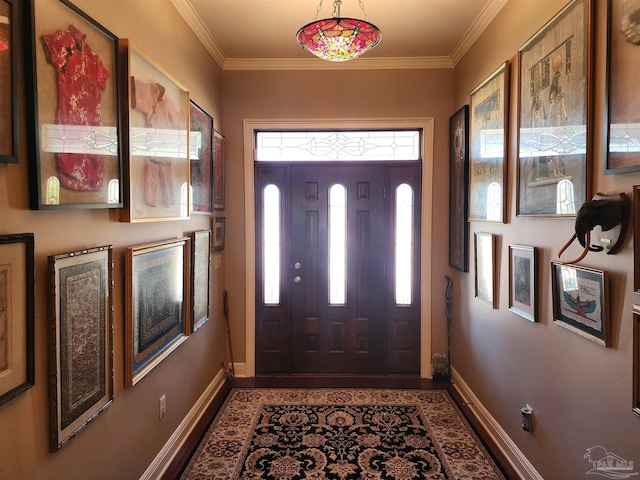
(200, 277)
(201, 158)
(488, 156)
(554, 115)
(72, 104)
(8, 77)
(17, 274)
(157, 304)
(624, 102)
(81, 342)
(158, 143)
(581, 301)
(458, 181)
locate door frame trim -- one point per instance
(249, 127)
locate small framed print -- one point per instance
(8, 77)
(72, 104)
(581, 301)
(488, 159)
(523, 281)
(158, 142)
(157, 304)
(81, 346)
(200, 277)
(554, 115)
(17, 280)
(201, 158)
(485, 273)
(458, 180)
(218, 169)
(219, 227)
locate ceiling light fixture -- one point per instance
(339, 39)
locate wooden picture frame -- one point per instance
(81, 340)
(581, 301)
(555, 115)
(458, 181)
(17, 315)
(219, 224)
(523, 281)
(623, 109)
(636, 360)
(8, 77)
(158, 142)
(201, 167)
(218, 169)
(489, 147)
(200, 277)
(157, 304)
(73, 117)
(485, 268)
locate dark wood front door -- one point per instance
(336, 309)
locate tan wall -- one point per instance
(581, 393)
(337, 95)
(124, 439)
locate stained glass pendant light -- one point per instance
(339, 39)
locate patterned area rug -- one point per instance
(344, 434)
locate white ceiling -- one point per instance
(260, 34)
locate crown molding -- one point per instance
(380, 63)
(185, 9)
(489, 12)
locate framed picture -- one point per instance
(485, 265)
(488, 161)
(458, 181)
(218, 228)
(157, 150)
(81, 342)
(201, 160)
(157, 304)
(8, 77)
(17, 279)
(523, 281)
(623, 102)
(200, 277)
(581, 301)
(554, 112)
(636, 359)
(636, 238)
(71, 79)
(218, 169)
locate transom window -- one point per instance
(332, 145)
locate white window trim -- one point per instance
(249, 128)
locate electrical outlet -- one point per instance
(162, 406)
(526, 417)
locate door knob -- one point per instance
(297, 265)
(297, 279)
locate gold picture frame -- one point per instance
(489, 147)
(157, 304)
(158, 142)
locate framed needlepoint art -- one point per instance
(71, 79)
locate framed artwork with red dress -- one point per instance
(72, 107)
(157, 142)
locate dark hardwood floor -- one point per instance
(330, 381)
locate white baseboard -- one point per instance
(164, 458)
(514, 455)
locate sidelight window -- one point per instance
(337, 245)
(404, 244)
(271, 244)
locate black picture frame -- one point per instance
(75, 148)
(17, 280)
(8, 77)
(201, 160)
(458, 186)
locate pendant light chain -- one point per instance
(363, 10)
(336, 8)
(318, 10)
